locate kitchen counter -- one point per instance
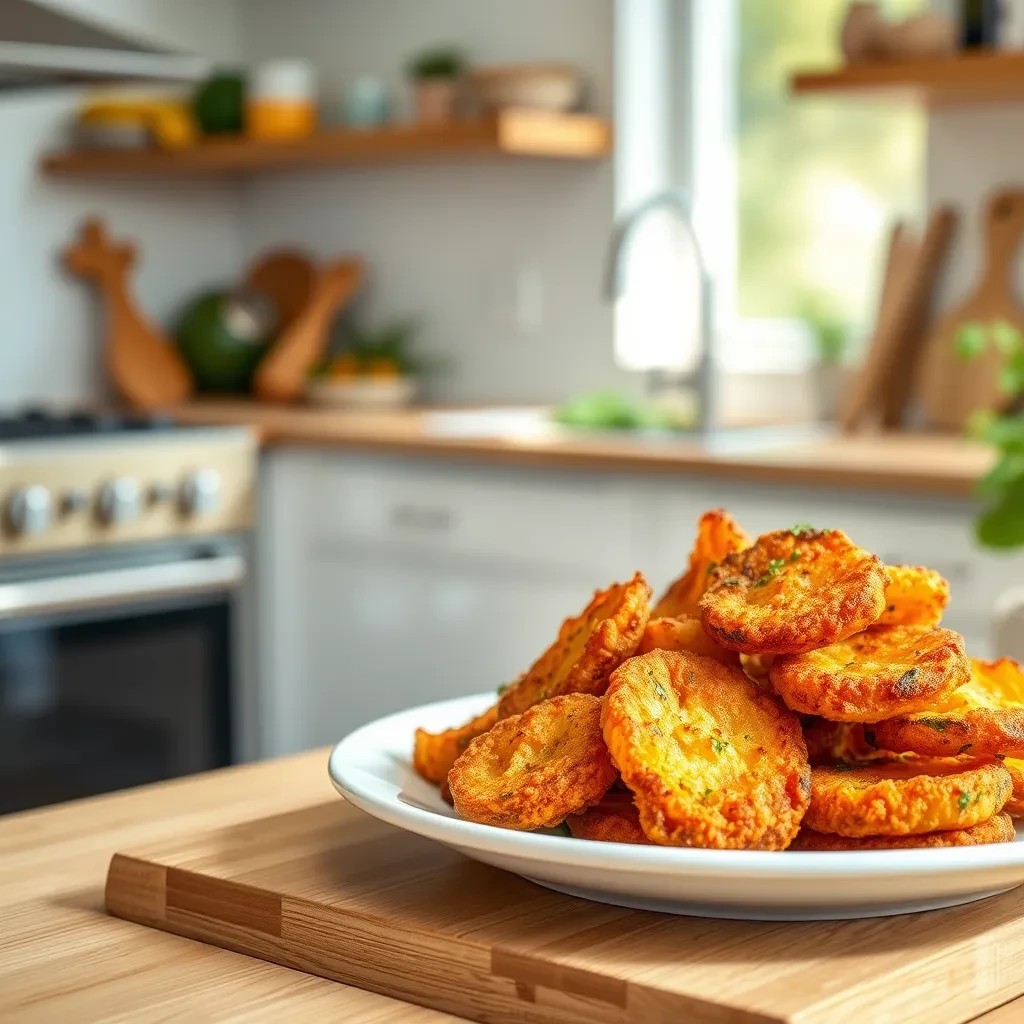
(63, 959)
(907, 463)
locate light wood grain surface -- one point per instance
(327, 890)
(910, 464)
(63, 959)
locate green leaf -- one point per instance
(1006, 472)
(971, 340)
(1006, 433)
(1007, 338)
(1011, 375)
(1001, 526)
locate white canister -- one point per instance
(281, 102)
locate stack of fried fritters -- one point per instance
(793, 693)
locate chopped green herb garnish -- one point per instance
(774, 567)
(801, 528)
(732, 581)
(503, 688)
(795, 557)
(707, 792)
(718, 745)
(712, 567)
(938, 724)
(965, 799)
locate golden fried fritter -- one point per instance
(793, 591)
(614, 820)
(1015, 805)
(718, 535)
(588, 648)
(534, 769)
(906, 797)
(434, 753)
(914, 596)
(983, 717)
(711, 760)
(882, 672)
(446, 793)
(829, 742)
(998, 829)
(683, 634)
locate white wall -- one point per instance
(187, 232)
(457, 242)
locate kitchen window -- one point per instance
(792, 197)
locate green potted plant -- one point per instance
(437, 77)
(830, 335)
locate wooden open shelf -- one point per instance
(983, 76)
(511, 133)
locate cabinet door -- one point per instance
(390, 631)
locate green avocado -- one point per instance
(219, 103)
(221, 342)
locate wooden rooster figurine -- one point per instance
(145, 368)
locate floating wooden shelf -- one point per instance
(512, 133)
(983, 76)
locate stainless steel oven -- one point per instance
(122, 642)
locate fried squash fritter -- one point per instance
(880, 673)
(792, 591)
(434, 753)
(718, 535)
(533, 770)
(589, 647)
(1015, 805)
(997, 829)
(914, 596)
(683, 634)
(712, 761)
(906, 797)
(983, 717)
(614, 820)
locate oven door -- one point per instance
(115, 676)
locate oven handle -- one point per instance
(120, 586)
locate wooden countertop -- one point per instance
(907, 463)
(63, 959)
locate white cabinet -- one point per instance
(387, 582)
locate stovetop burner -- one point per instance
(34, 423)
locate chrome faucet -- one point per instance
(702, 379)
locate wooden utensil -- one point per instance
(882, 387)
(329, 891)
(145, 367)
(949, 388)
(281, 376)
(287, 277)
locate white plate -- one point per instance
(373, 769)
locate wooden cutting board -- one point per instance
(330, 891)
(951, 388)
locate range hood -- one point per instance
(44, 44)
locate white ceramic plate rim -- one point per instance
(377, 795)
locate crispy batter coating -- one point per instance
(998, 829)
(534, 769)
(711, 760)
(882, 672)
(906, 797)
(683, 634)
(614, 820)
(914, 596)
(984, 717)
(1015, 805)
(793, 591)
(446, 793)
(588, 649)
(718, 535)
(434, 753)
(829, 742)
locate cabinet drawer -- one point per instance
(510, 515)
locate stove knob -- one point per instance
(119, 501)
(200, 492)
(29, 510)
